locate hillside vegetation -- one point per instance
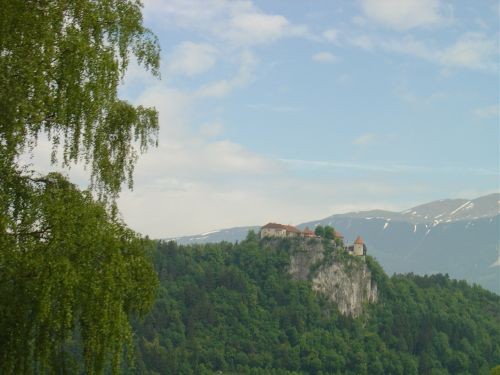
(235, 308)
(454, 236)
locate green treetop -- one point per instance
(319, 231)
(329, 232)
(71, 273)
(61, 62)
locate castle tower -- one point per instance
(358, 247)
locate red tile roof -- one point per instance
(308, 232)
(291, 228)
(288, 228)
(274, 226)
(359, 241)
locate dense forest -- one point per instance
(234, 308)
(75, 280)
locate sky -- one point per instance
(289, 111)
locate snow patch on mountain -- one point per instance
(459, 208)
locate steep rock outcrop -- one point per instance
(348, 283)
(303, 255)
(345, 279)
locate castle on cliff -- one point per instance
(358, 248)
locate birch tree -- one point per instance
(71, 272)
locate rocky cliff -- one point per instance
(420, 240)
(347, 283)
(345, 279)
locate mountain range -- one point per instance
(459, 237)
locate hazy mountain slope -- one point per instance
(465, 249)
(230, 235)
(455, 236)
(457, 209)
(446, 210)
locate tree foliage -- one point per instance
(235, 309)
(71, 273)
(61, 62)
(329, 232)
(319, 231)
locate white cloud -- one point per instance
(185, 151)
(190, 58)
(359, 21)
(409, 46)
(324, 57)
(211, 129)
(193, 183)
(365, 42)
(470, 50)
(384, 167)
(331, 35)
(403, 14)
(419, 100)
(198, 180)
(255, 28)
(245, 75)
(173, 107)
(345, 165)
(240, 22)
(344, 78)
(491, 111)
(192, 203)
(365, 139)
(275, 108)
(40, 162)
(473, 51)
(136, 75)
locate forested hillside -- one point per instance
(454, 236)
(234, 308)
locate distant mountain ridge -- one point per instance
(229, 234)
(455, 236)
(440, 211)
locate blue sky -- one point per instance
(294, 110)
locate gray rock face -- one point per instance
(345, 280)
(349, 285)
(305, 253)
(459, 237)
(463, 249)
